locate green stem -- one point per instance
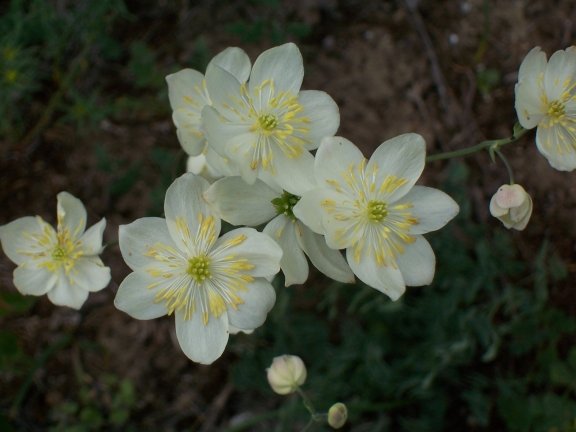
(307, 402)
(506, 164)
(519, 131)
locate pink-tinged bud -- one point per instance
(512, 205)
(337, 415)
(286, 374)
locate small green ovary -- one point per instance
(268, 122)
(199, 268)
(59, 254)
(376, 210)
(556, 110)
(285, 203)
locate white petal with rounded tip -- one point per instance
(186, 90)
(560, 74)
(18, 241)
(550, 140)
(202, 343)
(294, 175)
(224, 90)
(138, 237)
(323, 114)
(65, 294)
(34, 281)
(328, 261)
(71, 214)
(293, 264)
(258, 299)
(432, 207)
(385, 279)
(233, 60)
(259, 249)
(184, 200)
(529, 88)
(239, 203)
(333, 158)
(91, 274)
(401, 157)
(283, 65)
(196, 164)
(418, 263)
(91, 240)
(137, 300)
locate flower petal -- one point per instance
(71, 214)
(333, 159)
(66, 294)
(202, 343)
(138, 300)
(560, 73)
(34, 281)
(527, 103)
(259, 298)
(91, 240)
(323, 115)
(91, 274)
(222, 135)
(186, 89)
(557, 144)
(224, 90)
(417, 263)
(328, 261)
(386, 279)
(293, 264)
(283, 65)
(233, 60)
(247, 243)
(432, 207)
(189, 130)
(185, 209)
(401, 157)
(309, 208)
(138, 237)
(294, 175)
(19, 238)
(239, 203)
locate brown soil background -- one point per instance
(391, 68)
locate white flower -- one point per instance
(512, 205)
(268, 126)
(546, 98)
(212, 285)
(242, 204)
(188, 96)
(374, 210)
(286, 374)
(61, 263)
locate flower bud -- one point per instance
(286, 374)
(337, 415)
(512, 205)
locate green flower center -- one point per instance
(268, 122)
(199, 268)
(376, 210)
(556, 110)
(59, 254)
(285, 203)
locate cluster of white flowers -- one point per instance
(250, 133)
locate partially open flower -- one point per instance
(512, 205)
(286, 374)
